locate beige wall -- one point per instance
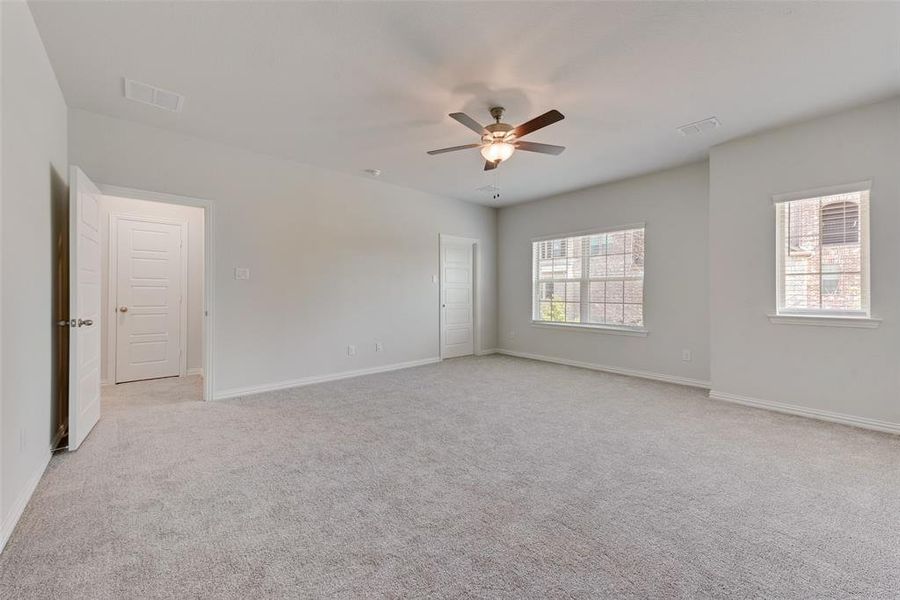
(845, 370)
(710, 271)
(334, 259)
(193, 216)
(673, 206)
(34, 197)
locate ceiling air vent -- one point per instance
(152, 95)
(493, 190)
(698, 127)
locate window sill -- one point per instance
(826, 321)
(611, 329)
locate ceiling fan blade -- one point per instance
(490, 166)
(548, 118)
(468, 122)
(453, 149)
(542, 148)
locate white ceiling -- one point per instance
(351, 86)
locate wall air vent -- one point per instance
(152, 95)
(698, 127)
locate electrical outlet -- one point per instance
(351, 350)
(434, 279)
(686, 355)
(512, 333)
(379, 347)
(242, 273)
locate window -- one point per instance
(595, 279)
(823, 250)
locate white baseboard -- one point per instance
(609, 369)
(812, 413)
(188, 373)
(292, 383)
(486, 351)
(18, 507)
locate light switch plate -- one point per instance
(242, 273)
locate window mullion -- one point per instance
(584, 309)
(821, 249)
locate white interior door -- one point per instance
(150, 270)
(457, 298)
(84, 306)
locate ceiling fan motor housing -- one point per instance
(497, 132)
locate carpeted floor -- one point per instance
(488, 477)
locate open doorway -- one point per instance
(155, 274)
(147, 237)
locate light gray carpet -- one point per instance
(485, 477)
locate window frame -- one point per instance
(637, 330)
(790, 315)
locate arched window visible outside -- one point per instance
(823, 254)
(840, 223)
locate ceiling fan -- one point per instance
(500, 140)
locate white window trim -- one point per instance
(862, 319)
(595, 231)
(598, 328)
(829, 190)
(824, 320)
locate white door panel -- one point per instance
(84, 306)
(457, 301)
(456, 337)
(457, 254)
(458, 316)
(455, 295)
(149, 270)
(456, 275)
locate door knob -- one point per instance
(123, 309)
(85, 322)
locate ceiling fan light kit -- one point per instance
(497, 151)
(500, 140)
